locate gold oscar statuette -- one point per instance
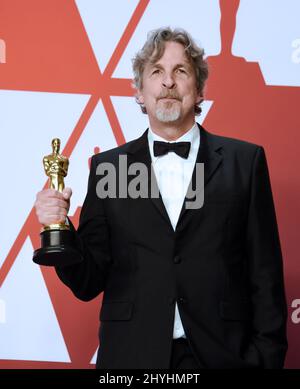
(56, 168)
(58, 243)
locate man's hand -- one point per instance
(52, 206)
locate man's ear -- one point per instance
(199, 98)
(140, 97)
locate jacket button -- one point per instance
(181, 300)
(177, 259)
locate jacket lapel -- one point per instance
(138, 151)
(209, 155)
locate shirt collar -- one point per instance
(192, 135)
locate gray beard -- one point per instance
(167, 115)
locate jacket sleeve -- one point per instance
(87, 278)
(265, 270)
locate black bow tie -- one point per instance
(180, 148)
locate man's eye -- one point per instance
(155, 71)
(180, 70)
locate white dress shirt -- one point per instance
(173, 174)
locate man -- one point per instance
(183, 288)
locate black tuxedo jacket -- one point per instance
(222, 265)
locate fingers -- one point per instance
(54, 202)
(52, 206)
(47, 219)
(67, 193)
(49, 193)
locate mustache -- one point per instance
(169, 95)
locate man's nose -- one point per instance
(168, 81)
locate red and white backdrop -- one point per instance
(65, 71)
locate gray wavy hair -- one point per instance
(154, 49)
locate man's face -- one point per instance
(169, 88)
